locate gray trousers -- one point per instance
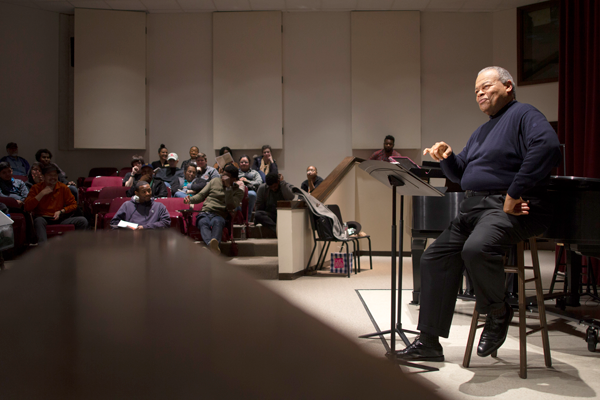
(476, 240)
(40, 224)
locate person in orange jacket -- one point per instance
(51, 202)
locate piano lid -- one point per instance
(574, 183)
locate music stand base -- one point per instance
(401, 332)
(394, 358)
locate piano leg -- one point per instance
(417, 249)
(574, 278)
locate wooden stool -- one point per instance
(519, 269)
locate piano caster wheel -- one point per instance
(592, 338)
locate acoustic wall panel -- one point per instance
(386, 80)
(247, 75)
(110, 79)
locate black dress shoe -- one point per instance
(494, 332)
(419, 351)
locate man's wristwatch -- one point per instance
(62, 211)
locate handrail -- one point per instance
(324, 190)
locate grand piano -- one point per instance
(575, 226)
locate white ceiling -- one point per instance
(180, 6)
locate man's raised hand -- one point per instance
(439, 151)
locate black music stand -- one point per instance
(405, 183)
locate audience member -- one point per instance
(265, 163)
(387, 151)
(35, 175)
(222, 151)
(143, 210)
(313, 180)
(44, 157)
(171, 173)
(159, 189)
(221, 197)
(205, 171)
(51, 202)
(11, 187)
(162, 162)
(182, 186)
(19, 165)
(131, 177)
(251, 179)
(269, 193)
(194, 151)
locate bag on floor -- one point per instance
(341, 263)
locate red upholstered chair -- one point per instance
(57, 230)
(124, 171)
(173, 204)
(20, 177)
(115, 204)
(103, 171)
(91, 194)
(105, 197)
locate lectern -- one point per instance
(404, 183)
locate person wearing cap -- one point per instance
(221, 197)
(51, 202)
(159, 189)
(269, 193)
(19, 165)
(132, 177)
(171, 173)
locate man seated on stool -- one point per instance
(143, 210)
(51, 202)
(505, 168)
(221, 197)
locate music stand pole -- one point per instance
(396, 313)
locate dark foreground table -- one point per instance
(151, 315)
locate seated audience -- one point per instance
(268, 195)
(193, 155)
(159, 189)
(221, 197)
(19, 165)
(313, 180)
(136, 165)
(11, 187)
(44, 157)
(387, 151)
(222, 151)
(182, 186)
(35, 175)
(265, 163)
(51, 202)
(162, 162)
(143, 210)
(205, 171)
(171, 173)
(251, 179)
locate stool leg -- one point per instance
(540, 301)
(471, 339)
(522, 316)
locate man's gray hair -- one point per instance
(504, 75)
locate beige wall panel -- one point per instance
(386, 78)
(247, 88)
(453, 52)
(110, 74)
(180, 83)
(543, 96)
(316, 93)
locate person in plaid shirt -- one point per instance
(387, 151)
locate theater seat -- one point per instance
(19, 225)
(115, 204)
